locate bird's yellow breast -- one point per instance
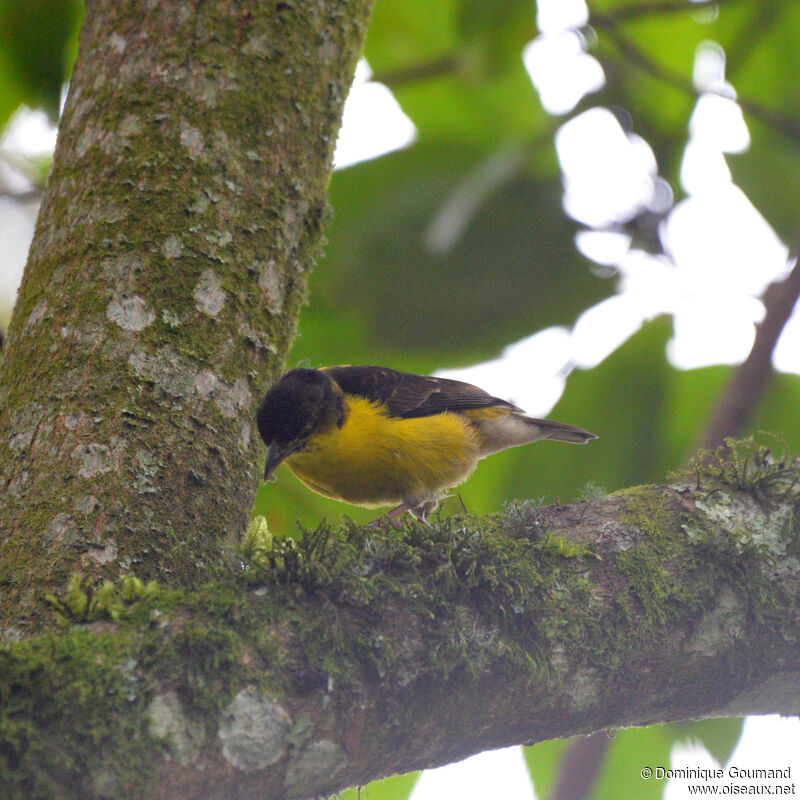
(375, 459)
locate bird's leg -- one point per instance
(419, 510)
(389, 519)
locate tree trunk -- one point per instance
(182, 215)
(353, 655)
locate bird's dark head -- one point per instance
(303, 402)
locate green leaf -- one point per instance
(458, 81)
(38, 44)
(390, 288)
(495, 31)
(625, 401)
(718, 736)
(398, 787)
(768, 175)
(777, 412)
(402, 34)
(631, 751)
(543, 761)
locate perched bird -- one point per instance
(373, 436)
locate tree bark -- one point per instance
(182, 214)
(353, 655)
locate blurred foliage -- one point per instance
(398, 787)
(444, 253)
(38, 45)
(630, 751)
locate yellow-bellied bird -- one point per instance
(373, 436)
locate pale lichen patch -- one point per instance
(720, 627)
(583, 689)
(85, 504)
(96, 459)
(170, 318)
(19, 484)
(25, 422)
(208, 295)
(20, 441)
(269, 280)
(36, 315)
(254, 731)
(257, 338)
(85, 140)
(219, 238)
(130, 313)
(192, 140)
(245, 435)
(172, 246)
(147, 468)
(169, 371)
(131, 125)
(168, 721)
(74, 421)
(117, 43)
(105, 554)
(205, 382)
(229, 399)
(259, 45)
(232, 399)
(318, 762)
(62, 527)
(293, 216)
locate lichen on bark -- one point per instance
(380, 651)
(182, 215)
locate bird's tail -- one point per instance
(499, 429)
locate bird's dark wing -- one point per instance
(408, 395)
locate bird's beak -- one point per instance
(275, 455)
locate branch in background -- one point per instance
(751, 379)
(626, 13)
(760, 24)
(25, 196)
(782, 123)
(580, 766)
(435, 68)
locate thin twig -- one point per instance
(783, 123)
(664, 7)
(423, 70)
(752, 378)
(34, 193)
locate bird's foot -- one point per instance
(391, 519)
(419, 511)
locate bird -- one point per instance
(374, 436)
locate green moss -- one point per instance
(485, 584)
(651, 581)
(87, 600)
(363, 605)
(745, 465)
(660, 567)
(105, 750)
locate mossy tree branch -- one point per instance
(182, 214)
(353, 655)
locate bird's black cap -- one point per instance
(300, 403)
